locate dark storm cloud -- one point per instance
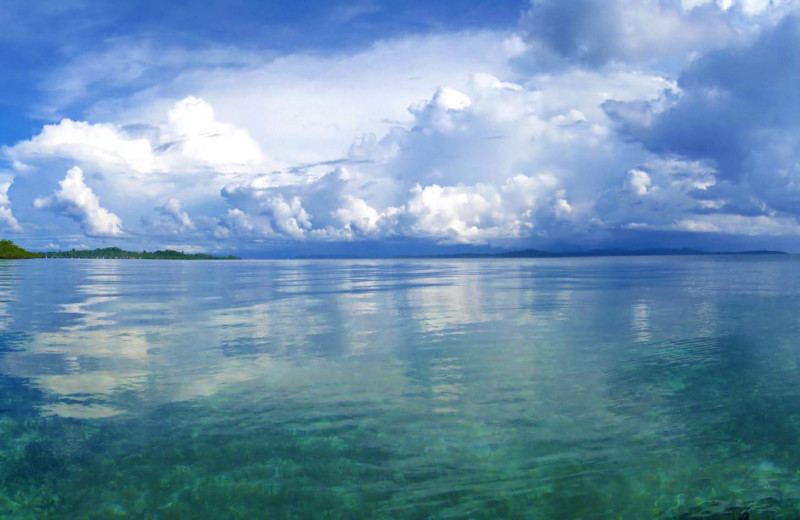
(737, 109)
(593, 33)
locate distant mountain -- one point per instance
(535, 253)
(117, 253)
(11, 251)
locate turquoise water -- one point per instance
(543, 389)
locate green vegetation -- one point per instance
(115, 252)
(9, 250)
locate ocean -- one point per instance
(587, 388)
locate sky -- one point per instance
(271, 129)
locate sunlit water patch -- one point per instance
(589, 388)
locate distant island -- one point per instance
(117, 253)
(11, 251)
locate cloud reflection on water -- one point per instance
(122, 333)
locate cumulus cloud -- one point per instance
(480, 158)
(639, 182)
(173, 209)
(76, 200)
(187, 155)
(6, 215)
(455, 213)
(306, 108)
(590, 117)
(498, 162)
(101, 144)
(190, 141)
(477, 214)
(357, 216)
(288, 216)
(192, 138)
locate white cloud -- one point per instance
(193, 138)
(563, 208)
(103, 145)
(186, 156)
(289, 217)
(238, 222)
(6, 215)
(457, 213)
(307, 108)
(498, 162)
(495, 161)
(480, 158)
(173, 208)
(451, 138)
(77, 201)
(358, 216)
(639, 182)
(189, 143)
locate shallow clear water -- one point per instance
(585, 388)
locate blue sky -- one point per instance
(398, 127)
